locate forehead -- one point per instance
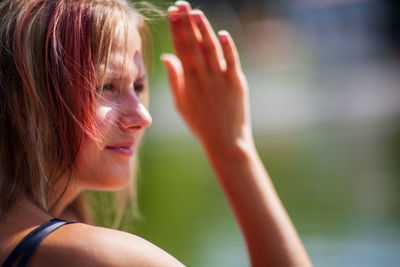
(125, 57)
(126, 37)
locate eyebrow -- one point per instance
(112, 76)
(143, 77)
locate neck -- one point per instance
(25, 208)
(24, 211)
(61, 196)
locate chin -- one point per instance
(98, 170)
(106, 179)
(114, 182)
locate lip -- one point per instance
(122, 148)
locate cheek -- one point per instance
(104, 120)
(100, 170)
(102, 112)
(97, 168)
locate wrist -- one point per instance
(236, 151)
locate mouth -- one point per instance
(125, 149)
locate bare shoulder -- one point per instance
(85, 245)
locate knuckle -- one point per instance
(190, 71)
(234, 76)
(209, 49)
(231, 63)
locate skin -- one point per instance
(211, 93)
(120, 117)
(120, 120)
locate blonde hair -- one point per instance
(49, 50)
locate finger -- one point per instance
(210, 45)
(175, 74)
(191, 36)
(178, 40)
(230, 52)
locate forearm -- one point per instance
(270, 236)
(211, 93)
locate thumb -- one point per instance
(175, 73)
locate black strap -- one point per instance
(30, 242)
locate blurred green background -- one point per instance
(325, 102)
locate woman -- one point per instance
(73, 93)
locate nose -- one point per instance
(134, 115)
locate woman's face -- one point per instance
(120, 120)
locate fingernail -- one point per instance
(183, 6)
(172, 9)
(196, 14)
(173, 13)
(223, 36)
(182, 3)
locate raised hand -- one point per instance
(208, 84)
(211, 93)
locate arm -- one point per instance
(211, 93)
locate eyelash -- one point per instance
(139, 88)
(106, 87)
